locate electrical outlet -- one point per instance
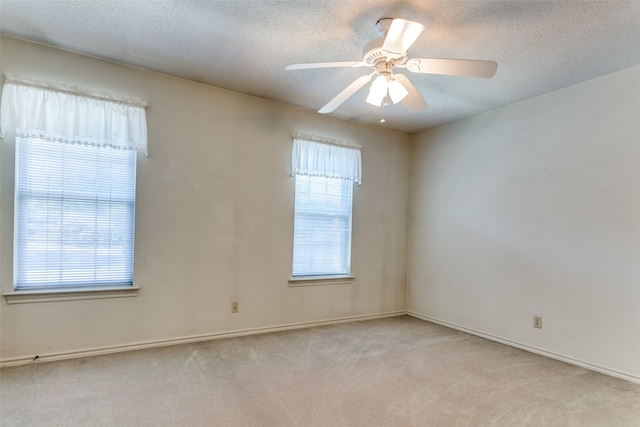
(537, 321)
(235, 306)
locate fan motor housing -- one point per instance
(373, 52)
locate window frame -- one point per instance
(310, 278)
(64, 292)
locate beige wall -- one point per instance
(535, 209)
(530, 209)
(214, 217)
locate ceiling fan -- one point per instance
(390, 51)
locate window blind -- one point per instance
(322, 226)
(74, 215)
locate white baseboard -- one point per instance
(189, 339)
(253, 331)
(549, 354)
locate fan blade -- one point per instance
(413, 102)
(309, 65)
(453, 67)
(345, 94)
(401, 35)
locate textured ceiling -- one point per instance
(244, 46)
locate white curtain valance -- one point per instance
(317, 156)
(34, 110)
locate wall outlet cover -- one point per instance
(537, 321)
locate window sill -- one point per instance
(320, 281)
(69, 294)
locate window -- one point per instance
(322, 226)
(324, 171)
(74, 217)
(74, 190)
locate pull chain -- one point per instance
(382, 105)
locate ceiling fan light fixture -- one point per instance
(374, 100)
(397, 92)
(379, 87)
(377, 91)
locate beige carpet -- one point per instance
(392, 372)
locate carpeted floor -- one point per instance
(391, 372)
